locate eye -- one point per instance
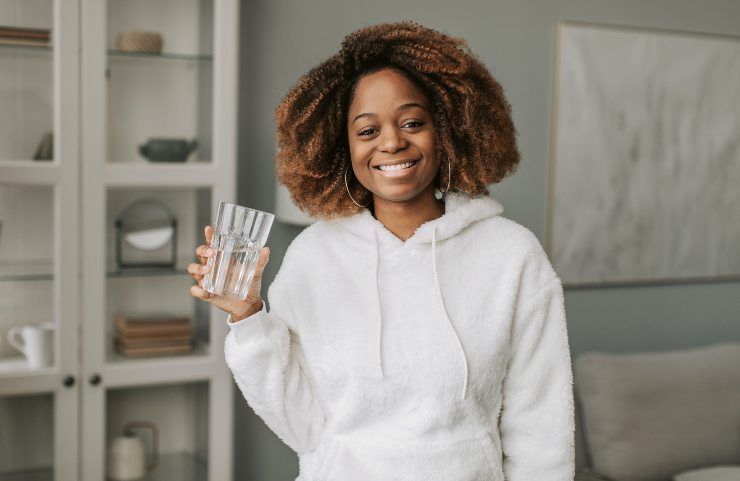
(366, 132)
(415, 123)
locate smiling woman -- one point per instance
(408, 336)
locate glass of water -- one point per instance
(238, 236)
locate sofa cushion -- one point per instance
(716, 473)
(650, 415)
(588, 475)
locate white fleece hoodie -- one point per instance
(441, 358)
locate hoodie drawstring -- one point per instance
(441, 298)
(377, 290)
(444, 308)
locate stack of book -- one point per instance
(152, 335)
(24, 36)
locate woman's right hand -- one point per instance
(239, 309)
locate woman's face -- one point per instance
(390, 123)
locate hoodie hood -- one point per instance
(461, 210)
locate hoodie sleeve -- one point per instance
(537, 417)
(266, 358)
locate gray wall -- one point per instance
(283, 39)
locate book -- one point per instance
(23, 42)
(154, 351)
(154, 334)
(152, 326)
(159, 337)
(154, 319)
(25, 32)
(147, 343)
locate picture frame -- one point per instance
(629, 203)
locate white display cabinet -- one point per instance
(88, 129)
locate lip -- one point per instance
(397, 173)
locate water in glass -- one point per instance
(233, 265)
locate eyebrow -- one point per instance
(400, 108)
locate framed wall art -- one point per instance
(645, 156)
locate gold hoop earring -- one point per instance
(449, 176)
(347, 187)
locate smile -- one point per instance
(397, 167)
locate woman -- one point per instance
(409, 337)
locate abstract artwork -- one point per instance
(645, 156)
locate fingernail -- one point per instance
(205, 268)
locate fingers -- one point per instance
(265, 252)
(203, 252)
(261, 263)
(197, 271)
(264, 257)
(200, 293)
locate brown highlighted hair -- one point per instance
(471, 115)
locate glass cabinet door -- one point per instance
(149, 173)
(39, 239)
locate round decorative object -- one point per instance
(139, 41)
(147, 225)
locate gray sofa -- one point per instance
(659, 416)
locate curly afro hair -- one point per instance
(471, 115)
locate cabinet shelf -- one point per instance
(171, 467)
(27, 271)
(19, 365)
(43, 474)
(44, 271)
(18, 49)
(121, 54)
(201, 350)
(142, 173)
(178, 467)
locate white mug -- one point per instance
(35, 341)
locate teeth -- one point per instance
(396, 166)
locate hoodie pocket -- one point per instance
(472, 458)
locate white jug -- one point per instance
(36, 342)
(126, 457)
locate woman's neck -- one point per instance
(402, 218)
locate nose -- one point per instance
(392, 140)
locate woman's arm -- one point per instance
(537, 418)
(267, 360)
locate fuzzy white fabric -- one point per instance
(441, 358)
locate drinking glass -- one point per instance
(238, 236)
